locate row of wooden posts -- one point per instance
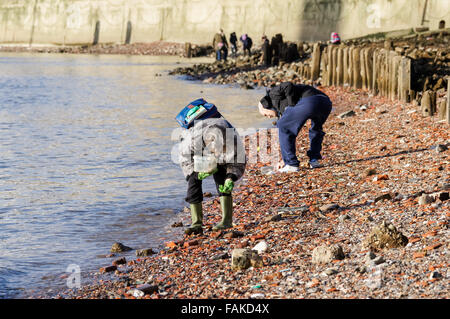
(382, 71)
(379, 70)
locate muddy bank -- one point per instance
(152, 48)
(385, 176)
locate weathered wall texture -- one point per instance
(74, 21)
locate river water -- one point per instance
(85, 144)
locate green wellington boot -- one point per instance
(226, 204)
(197, 218)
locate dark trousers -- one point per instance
(233, 50)
(316, 108)
(195, 191)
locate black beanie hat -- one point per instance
(266, 101)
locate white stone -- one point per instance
(326, 254)
(261, 247)
(137, 293)
(329, 272)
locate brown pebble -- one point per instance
(120, 261)
(107, 269)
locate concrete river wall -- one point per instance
(123, 21)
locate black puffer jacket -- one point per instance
(233, 38)
(287, 94)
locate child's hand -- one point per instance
(201, 176)
(227, 187)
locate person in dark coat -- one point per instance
(294, 105)
(220, 44)
(246, 44)
(266, 49)
(233, 42)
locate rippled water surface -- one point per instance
(85, 145)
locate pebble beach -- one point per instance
(315, 232)
(371, 223)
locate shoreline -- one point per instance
(295, 213)
(161, 48)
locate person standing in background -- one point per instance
(233, 42)
(335, 38)
(246, 44)
(220, 44)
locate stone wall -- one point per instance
(196, 21)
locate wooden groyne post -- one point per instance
(382, 70)
(448, 100)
